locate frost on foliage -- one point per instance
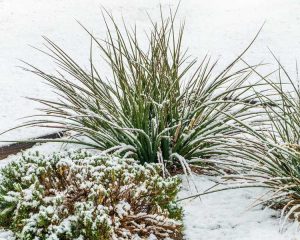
(74, 195)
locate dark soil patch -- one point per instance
(14, 148)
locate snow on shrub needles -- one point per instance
(74, 195)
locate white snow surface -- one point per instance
(226, 215)
(219, 28)
(229, 215)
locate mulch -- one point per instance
(14, 148)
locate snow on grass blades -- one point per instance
(270, 158)
(76, 195)
(280, 167)
(157, 106)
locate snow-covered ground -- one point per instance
(223, 216)
(219, 28)
(229, 215)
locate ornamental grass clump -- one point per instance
(279, 151)
(157, 105)
(270, 157)
(76, 195)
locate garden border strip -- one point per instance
(14, 148)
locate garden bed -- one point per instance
(227, 215)
(157, 107)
